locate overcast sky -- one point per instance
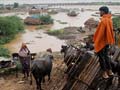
(95, 0)
(52, 1)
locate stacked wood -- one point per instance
(87, 75)
(81, 73)
(105, 83)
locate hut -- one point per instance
(72, 13)
(38, 10)
(32, 21)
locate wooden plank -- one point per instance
(81, 66)
(116, 55)
(87, 75)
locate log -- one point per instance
(86, 75)
(79, 69)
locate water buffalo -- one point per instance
(71, 54)
(41, 67)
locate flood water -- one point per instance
(36, 41)
(39, 41)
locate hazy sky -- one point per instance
(52, 1)
(95, 0)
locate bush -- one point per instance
(4, 52)
(55, 32)
(46, 19)
(17, 23)
(9, 27)
(116, 22)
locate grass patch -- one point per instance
(41, 27)
(116, 22)
(52, 12)
(61, 22)
(61, 34)
(4, 52)
(55, 32)
(44, 27)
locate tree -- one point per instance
(16, 5)
(9, 27)
(116, 22)
(46, 19)
(116, 25)
(4, 52)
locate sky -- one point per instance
(95, 0)
(52, 1)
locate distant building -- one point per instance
(9, 6)
(2, 6)
(38, 9)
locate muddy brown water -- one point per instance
(39, 41)
(36, 41)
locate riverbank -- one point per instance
(10, 82)
(38, 27)
(72, 35)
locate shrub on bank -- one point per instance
(116, 22)
(46, 19)
(9, 27)
(55, 32)
(4, 52)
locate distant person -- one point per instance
(103, 38)
(24, 54)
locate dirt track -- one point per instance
(57, 79)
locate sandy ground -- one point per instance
(57, 79)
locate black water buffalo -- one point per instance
(40, 68)
(71, 54)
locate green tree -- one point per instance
(4, 52)
(46, 19)
(9, 27)
(16, 5)
(116, 22)
(116, 25)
